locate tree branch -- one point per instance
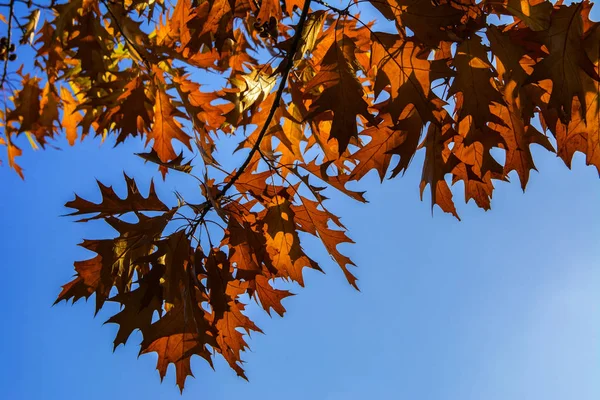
(8, 38)
(286, 71)
(282, 84)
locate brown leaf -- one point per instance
(518, 136)
(139, 305)
(176, 164)
(316, 222)
(342, 93)
(27, 105)
(283, 242)
(473, 83)
(567, 57)
(439, 161)
(166, 128)
(269, 296)
(71, 117)
(182, 332)
(534, 13)
(112, 204)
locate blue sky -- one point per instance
(503, 305)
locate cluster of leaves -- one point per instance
(319, 98)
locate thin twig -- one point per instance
(127, 39)
(8, 37)
(282, 84)
(287, 68)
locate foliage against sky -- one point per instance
(317, 97)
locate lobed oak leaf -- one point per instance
(116, 259)
(337, 181)
(182, 332)
(518, 136)
(139, 305)
(439, 161)
(45, 128)
(253, 184)
(218, 276)
(197, 103)
(135, 245)
(534, 13)
(27, 105)
(94, 276)
(430, 22)
(473, 145)
(252, 89)
(112, 204)
(283, 242)
(230, 341)
(411, 127)
(473, 86)
(477, 187)
(566, 58)
(376, 153)
(71, 117)
(13, 153)
(405, 67)
(165, 128)
(178, 23)
(175, 253)
(270, 298)
(315, 221)
(581, 133)
(269, 9)
(342, 93)
(290, 148)
(246, 243)
(176, 164)
(90, 44)
(311, 31)
(509, 57)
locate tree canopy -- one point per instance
(317, 97)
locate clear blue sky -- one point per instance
(503, 305)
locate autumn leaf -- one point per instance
(439, 161)
(567, 57)
(180, 333)
(342, 93)
(270, 298)
(283, 242)
(176, 164)
(139, 305)
(473, 84)
(166, 128)
(112, 204)
(518, 136)
(27, 105)
(403, 66)
(534, 13)
(129, 111)
(71, 118)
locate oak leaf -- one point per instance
(112, 204)
(342, 93)
(566, 58)
(166, 128)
